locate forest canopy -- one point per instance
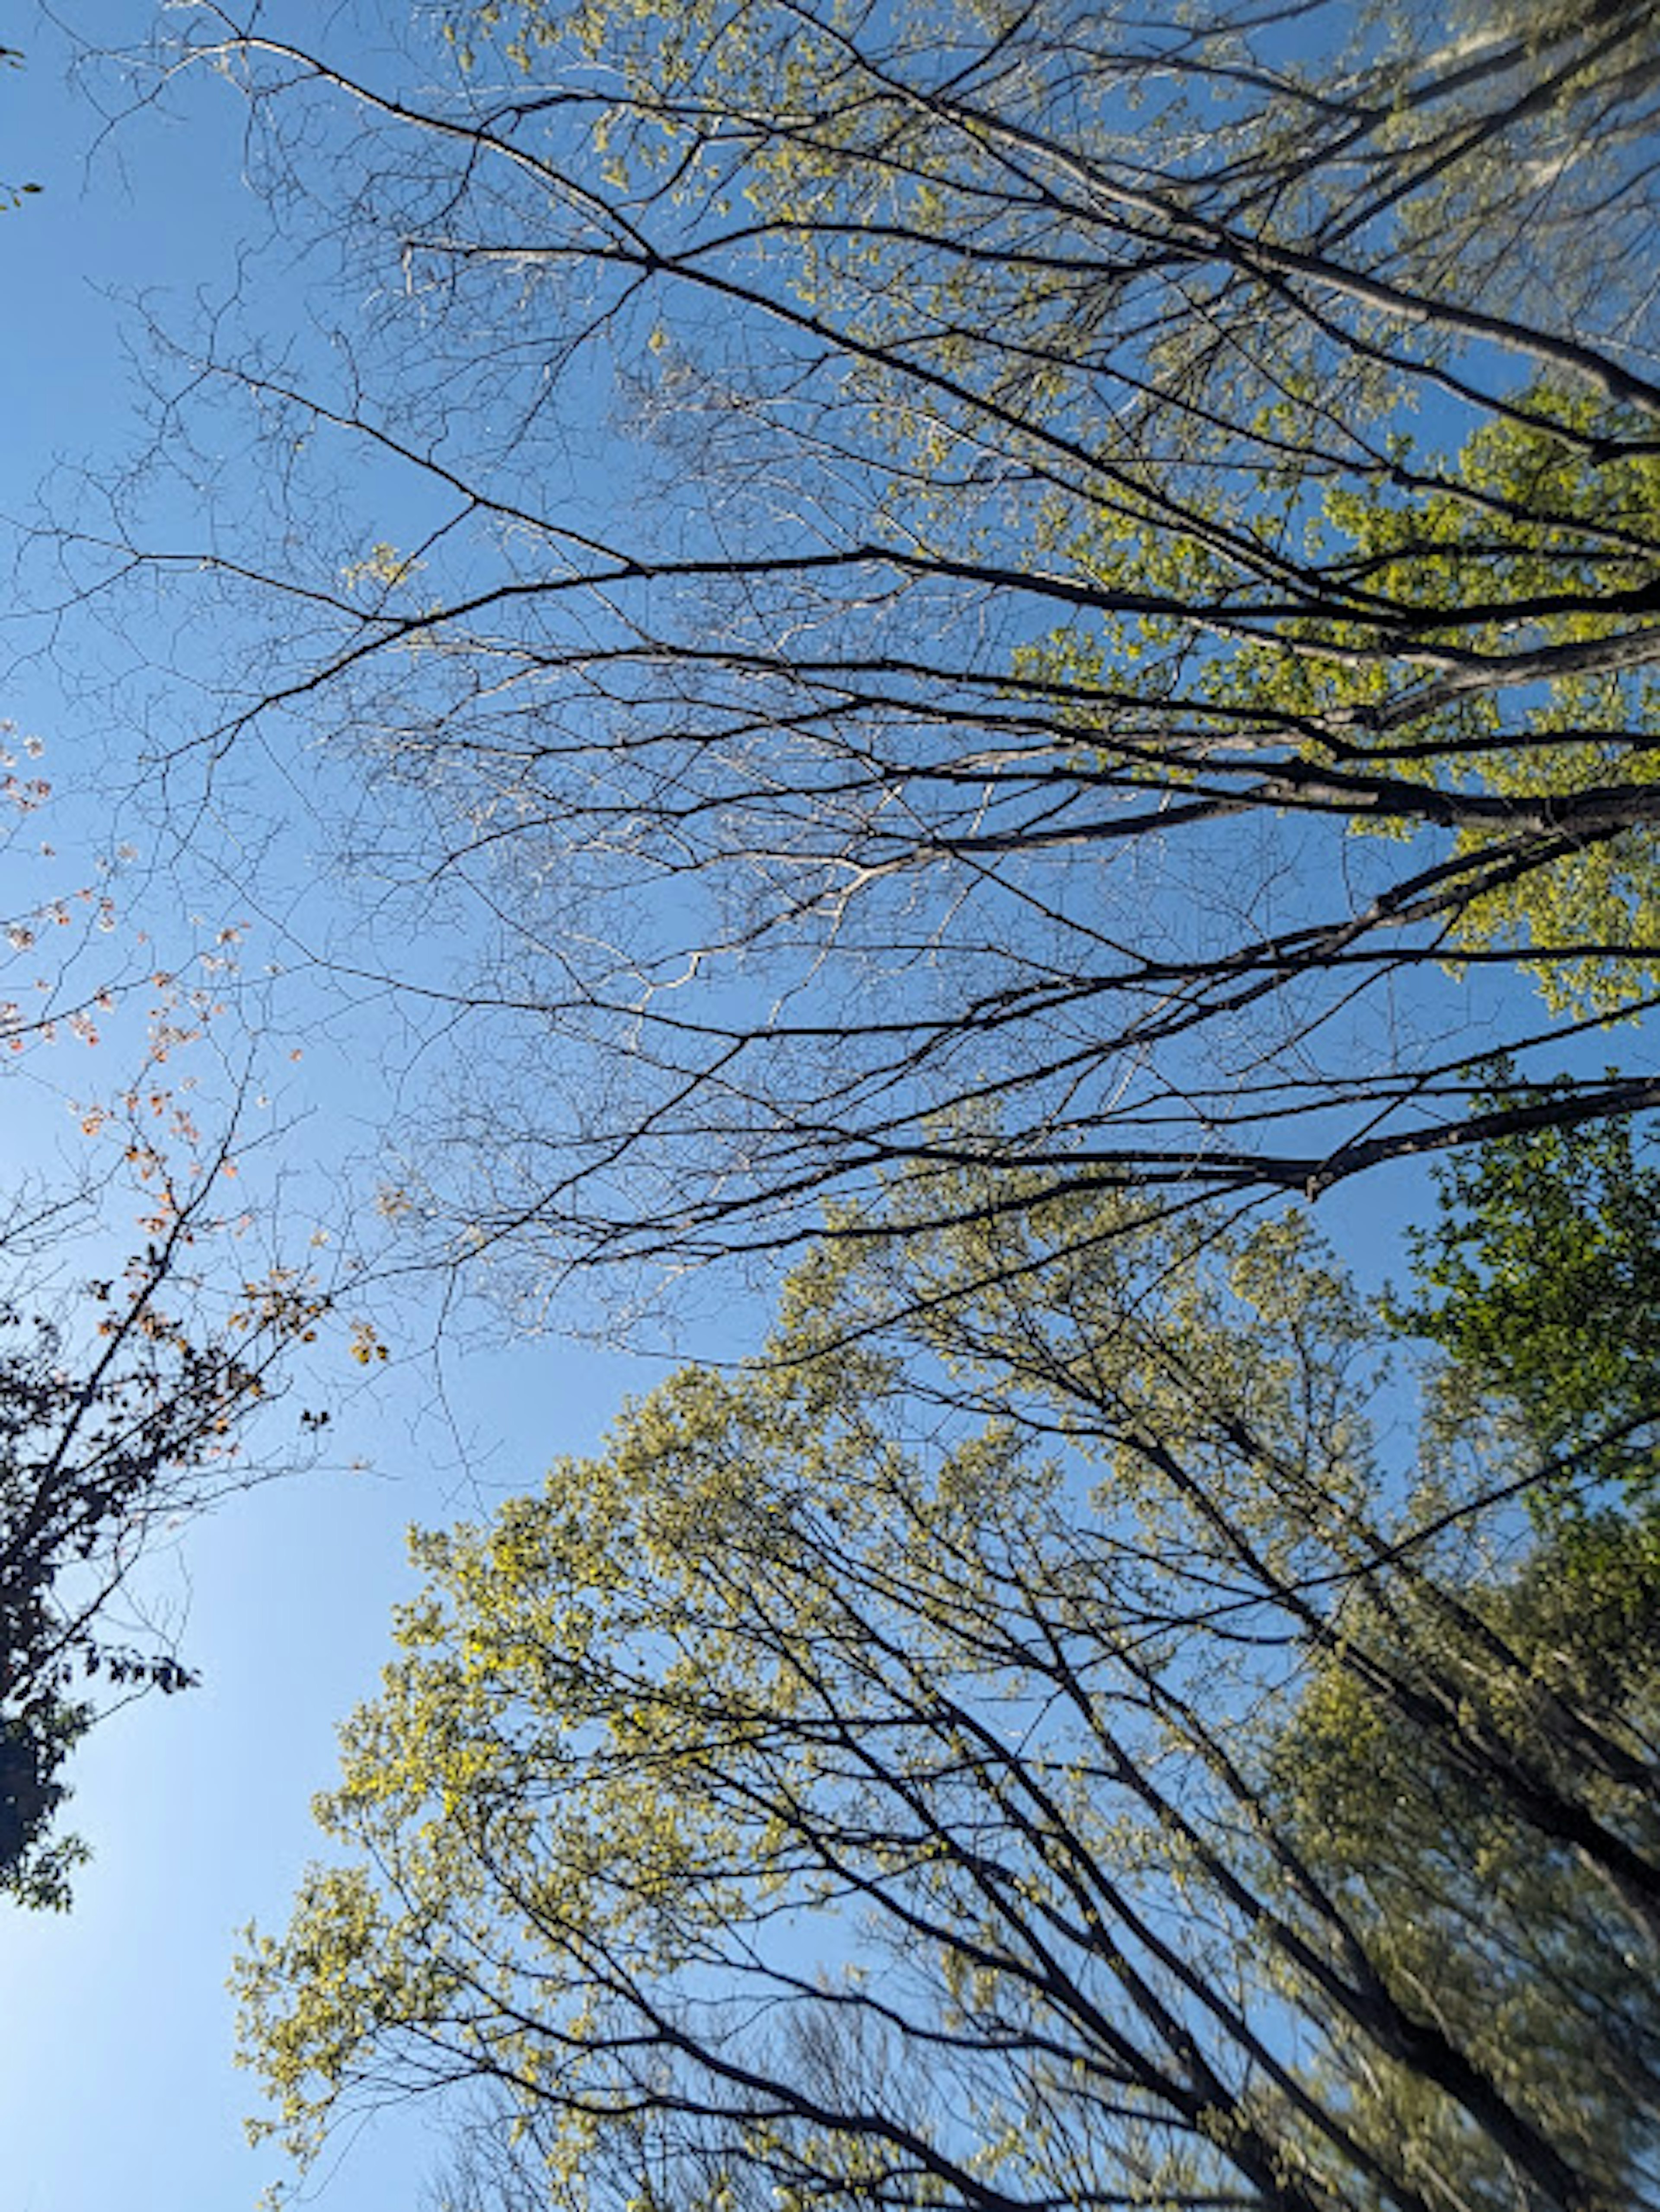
(1000, 646)
(1066, 589)
(1041, 1735)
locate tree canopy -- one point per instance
(997, 644)
(1025, 1743)
(1538, 1280)
(1109, 627)
(131, 1371)
(122, 1412)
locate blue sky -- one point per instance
(116, 2082)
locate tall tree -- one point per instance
(128, 1385)
(932, 1767)
(1510, 1939)
(1121, 586)
(123, 1411)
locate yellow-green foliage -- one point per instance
(918, 1720)
(1526, 515)
(1521, 541)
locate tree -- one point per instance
(119, 1416)
(1117, 614)
(1506, 1938)
(1538, 1280)
(933, 1766)
(128, 1384)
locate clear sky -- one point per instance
(115, 2083)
